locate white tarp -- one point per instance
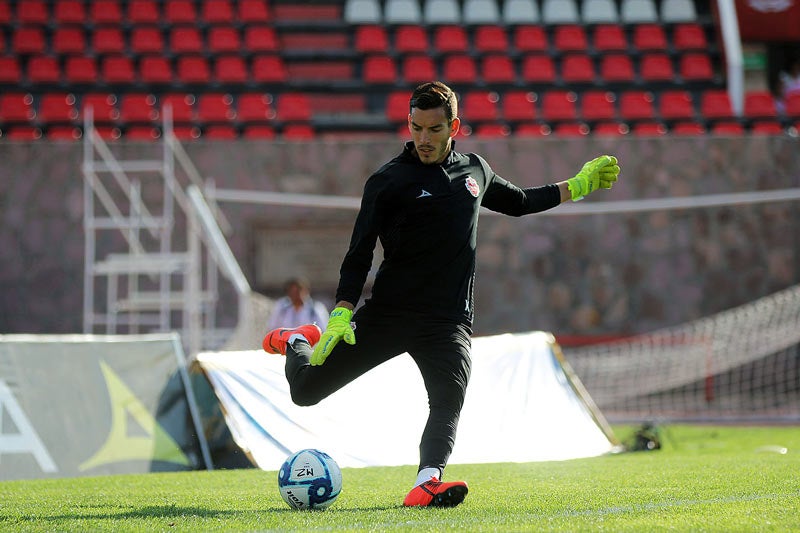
(520, 406)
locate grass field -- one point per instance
(703, 479)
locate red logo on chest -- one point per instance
(472, 187)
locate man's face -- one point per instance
(431, 133)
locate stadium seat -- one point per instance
(362, 12)
(759, 105)
(766, 127)
(269, 69)
(518, 106)
(727, 127)
(155, 69)
(597, 105)
(143, 12)
(636, 105)
(180, 12)
(538, 69)
(560, 12)
(5, 13)
(138, 108)
(28, 40)
(688, 128)
(69, 12)
(520, 12)
(23, 133)
(410, 39)
(417, 68)
(80, 69)
(10, 70)
(649, 129)
(186, 132)
(252, 11)
(497, 69)
(696, 67)
(192, 69)
(220, 132)
(610, 129)
(450, 39)
(577, 69)
(16, 107)
(109, 13)
(32, 12)
(43, 69)
(222, 39)
(260, 39)
(103, 105)
(441, 12)
(141, 133)
(638, 11)
(258, 132)
(609, 38)
(181, 105)
(571, 129)
(396, 106)
(491, 130)
(530, 39)
(687, 37)
(185, 40)
(649, 37)
(477, 12)
(402, 12)
(532, 130)
(570, 38)
(68, 40)
(656, 67)
(792, 106)
(676, 104)
(215, 107)
(293, 107)
(459, 69)
(599, 12)
(146, 40)
(715, 104)
(230, 68)
(63, 133)
(379, 69)
(254, 108)
(117, 69)
(616, 68)
(108, 40)
(217, 11)
(673, 11)
(479, 106)
(558, 105)
(487, 39)
(298, 132)
(371, 39)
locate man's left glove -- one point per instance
(338, 328)
(599, 173)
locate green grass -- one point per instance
(704, 479)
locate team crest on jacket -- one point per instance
(472, 186)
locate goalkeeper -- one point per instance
(423, 205)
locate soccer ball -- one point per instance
(309, 479)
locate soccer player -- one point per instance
(423, 205)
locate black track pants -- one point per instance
(441, 351)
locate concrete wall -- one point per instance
(572, 275)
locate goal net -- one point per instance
(739, 364)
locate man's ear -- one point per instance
(454, 126)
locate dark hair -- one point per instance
(435, 94)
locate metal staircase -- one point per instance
(136, 279)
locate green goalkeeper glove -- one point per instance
(599, 173)
(338, 328)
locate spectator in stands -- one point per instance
(423, 205)
(297, 307)
(789, 83)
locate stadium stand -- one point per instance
(599, 51)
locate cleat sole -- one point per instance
(450, 498)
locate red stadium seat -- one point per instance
(792, 106)
(379, 69)
(138, 108)
(459, 69)
(396, 106)
(23, 133)
(410, 39)
(63, 133)
(715, 104)
(298, 132)
(676, 104)
(155, 70)
(598, 105)
(570, 38)
(371, 38)
(759, 104)
(10, 71)
(253, 11)
(180, 12)
(261, 39)
(293, 107)
(649, 37)
(215, 107)
(689, 36)
(766, 127)
(518, 106)
(577, 68)
(491, 130)
(69, 12)
(28, 40)
(192, 69)
(217, 11)
(656, 67)
(223, 39)
(530, 39)
(142, 133)
(258, 132)
(688, 128)
(108, 40)
(559, 106)
(450, 39)
(269, 69)
(727, 127)
(32, 12)
(636, 105)
(571, 129)
(104, 107)
(477, 106)
(80, 69)
(610, 129)
(418, 68)
(105, 13)
(219, 131)
(230, 69)
(43, 69)
(649, 129)
(616, 68)
(117, 69)
(5, 12)
(609, 38)
(69, 40)
(143, 12)
(498, 69)
(696, 67)
(488, 39)
(254, 107)
(185, 40)
(538, 69)
(16, 107)
(532, 130)
(181, 104)
(146, 40)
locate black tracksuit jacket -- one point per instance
(426, 217)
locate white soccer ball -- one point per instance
(309, 479)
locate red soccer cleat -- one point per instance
(277, 339)
(434, 493)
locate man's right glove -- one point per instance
(338, 328)
(599, 173)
